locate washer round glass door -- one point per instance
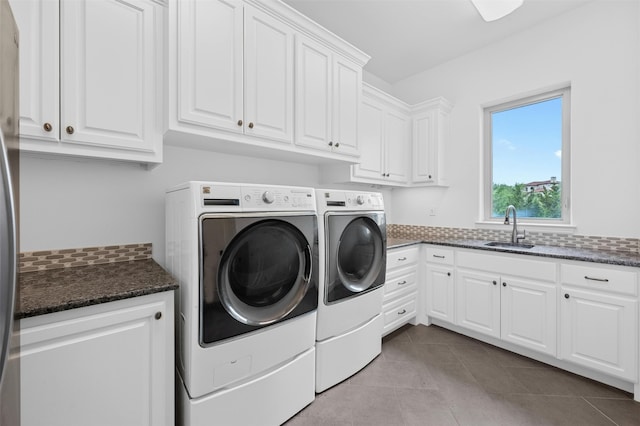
(264, 272)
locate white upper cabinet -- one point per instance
(235, 69)
(87, 94)
(431, 130)
(400, 145)
(233, 82)
(384, 140)
(327, 99)
(209, 63)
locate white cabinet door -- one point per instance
(431, 127)
(478, 302)
(529, 314)
(440, 292)
(109, 87)
(268, 76)
(38, 24)
(600, 331)
(313, 95)
(396, 149)
(347, 86)
(371, 134)
(209, 61)
(111, 364)
(423, 148)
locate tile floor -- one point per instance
(432, 376)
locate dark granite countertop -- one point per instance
(44, 292)
(556, 252)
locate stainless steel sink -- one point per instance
(505, 244)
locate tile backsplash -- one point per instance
(68, 258)
(539, 238)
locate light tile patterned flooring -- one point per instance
(432, 376)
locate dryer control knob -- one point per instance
(267, 197)
(360, 200)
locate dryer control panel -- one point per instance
(347, 200)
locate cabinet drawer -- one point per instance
(600, 278)
(401, 311)
(402, 257)
(440, 255)
(399, 283)
(508, 265)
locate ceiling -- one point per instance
(405, 37)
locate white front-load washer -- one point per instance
(352, 257)
(245, 257)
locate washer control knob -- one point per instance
(267, 197)
(360, 200)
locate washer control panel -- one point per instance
(235, 197)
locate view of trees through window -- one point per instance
(526, 145)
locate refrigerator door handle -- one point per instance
(8, 255)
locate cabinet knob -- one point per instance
(250, 125)
(566, 295)
(429, 176)
(330, 143)
(504, 284)
(158, 315)
(47, 127)
(387, 175)
(382, 174)
(337, 144)
(70, 130)
(495, 283)
(448, 274)
(239, 122)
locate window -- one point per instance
(526, 145)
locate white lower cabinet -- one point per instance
(599, 318)
(106, 364)
(509, 298)
(580, 312)
(399, 302)
(439, 295)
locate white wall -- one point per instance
(73, 203)
(596, 48)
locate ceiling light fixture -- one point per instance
(490, 10)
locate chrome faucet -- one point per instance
(515, 236)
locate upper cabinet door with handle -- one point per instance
(38, 24)
(108, 51)
(209, 61)
(268, 76)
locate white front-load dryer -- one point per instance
(245, 257)
(352, 249)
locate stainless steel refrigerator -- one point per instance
(9, 160)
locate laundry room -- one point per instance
(340, 213)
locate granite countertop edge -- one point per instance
(555, 252)
(46, 292)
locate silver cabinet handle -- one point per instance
(402, 259)
(602, 280)
(438, 256)
(402, 312)
(402, 282)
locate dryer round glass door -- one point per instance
(359, 254)
(355, 255)
(264, 272)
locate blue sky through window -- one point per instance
(527, 143)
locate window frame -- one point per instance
(565, 93)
